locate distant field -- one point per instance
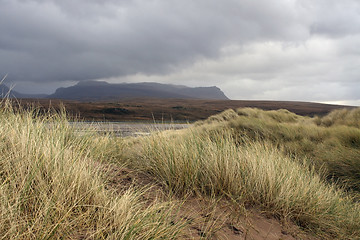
(182, 110)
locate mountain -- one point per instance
(6, 92)
(97, 90)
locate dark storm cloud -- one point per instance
(74, 40)
(252, 49)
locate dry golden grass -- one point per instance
(50, 187)
(53, 188)
(252, 174)
(341, 117)
(334, 148)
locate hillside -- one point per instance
(5, 91)
(95, 90)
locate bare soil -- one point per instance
(208, 219)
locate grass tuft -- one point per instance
(253, 174)
(51, 187)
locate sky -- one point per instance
(298, 50)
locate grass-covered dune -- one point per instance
(51, 185)
(331, 143)
(295, 168)
(298, 170)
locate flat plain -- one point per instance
(183, 110)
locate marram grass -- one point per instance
(50, 187)
(330, 143)
(252, 174)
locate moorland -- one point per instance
(155, 109)
(244, 173)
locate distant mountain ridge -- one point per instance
(5, 91)
(99, 90)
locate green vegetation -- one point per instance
(297, 169)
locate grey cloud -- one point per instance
(76, 40)
(275, 49)
(316, 70)
(335, 18)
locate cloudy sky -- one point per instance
(307, 50)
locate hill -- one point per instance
(96, 90)
(5, 91)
